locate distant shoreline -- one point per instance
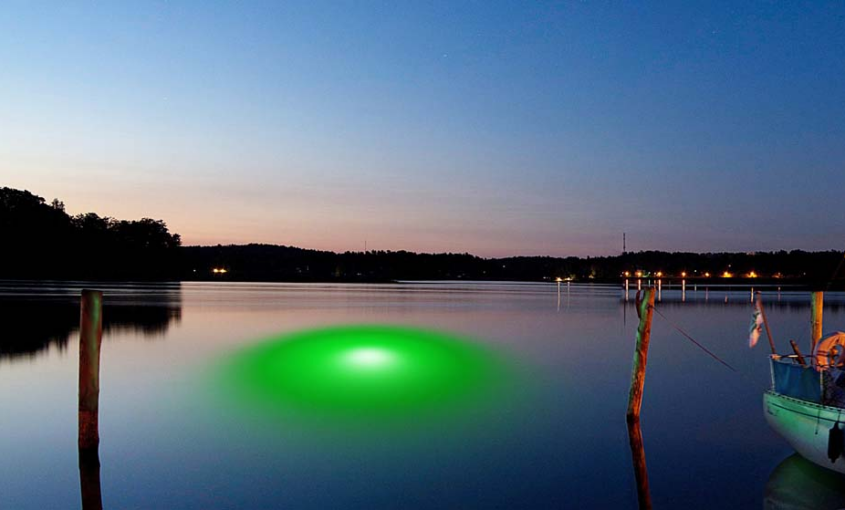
(667, 283)
(43, 242)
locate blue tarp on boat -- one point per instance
(796, 381)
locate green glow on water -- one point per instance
(365, 373)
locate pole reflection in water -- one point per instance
(798, 484)
(635, 438)
(558, 295)
(567, 294)
(89, 479)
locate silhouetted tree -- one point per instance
(40, 240)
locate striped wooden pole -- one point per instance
(90, 338)
(645, 311)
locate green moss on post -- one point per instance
(645, 310)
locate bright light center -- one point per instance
(370, 357)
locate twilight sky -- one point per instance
(498, 128)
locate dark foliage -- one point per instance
(41, 240)
(281, 263)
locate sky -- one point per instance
(495, 128)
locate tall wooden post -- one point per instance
(90, 338)
(818, 307)
(645, 310)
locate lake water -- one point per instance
(555, 439)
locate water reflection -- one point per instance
(89, 479)
(635, 439)
(566, 449)
(35, 319)
(680, 295)
(797, 484)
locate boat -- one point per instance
(806, 402)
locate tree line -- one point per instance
(283, 263)
(41, 241)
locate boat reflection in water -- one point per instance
(798, 484)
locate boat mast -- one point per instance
(817, 310)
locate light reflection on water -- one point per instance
(161, 448)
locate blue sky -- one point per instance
(498, 128)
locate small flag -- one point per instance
(756, 325)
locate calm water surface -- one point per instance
(559, 441)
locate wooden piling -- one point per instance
(645, 311)
(817, 308)
(90, 339)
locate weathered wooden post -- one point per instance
(818, 307)
(645, 311)
(90, 338)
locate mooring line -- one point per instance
(697, 344)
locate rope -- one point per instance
(691, 339)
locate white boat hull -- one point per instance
(805, 426)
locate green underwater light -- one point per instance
(365, 372)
